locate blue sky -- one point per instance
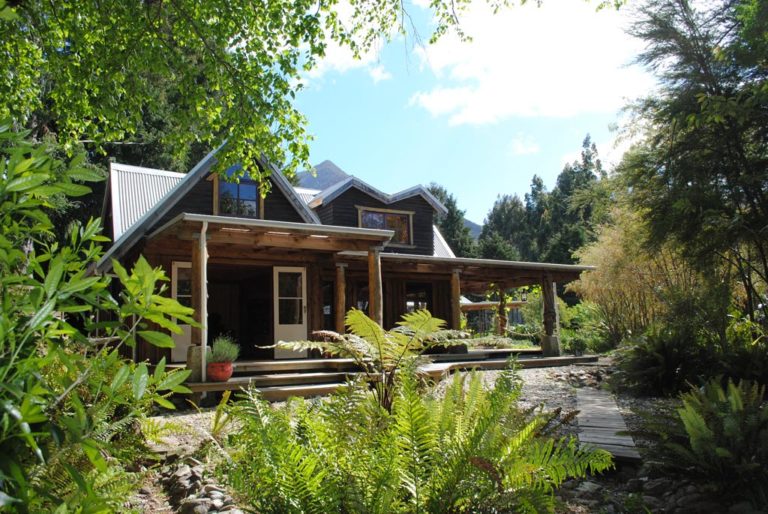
(480, 118)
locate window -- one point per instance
(398, 221)
(238, 199)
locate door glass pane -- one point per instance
(290, 285)
(290, 311)
(183, 281)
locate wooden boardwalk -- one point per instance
(599, 420)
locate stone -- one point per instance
(217, 504)
(652, 502)
(213, 495)
(588, 487)
(657, 486)
(210, 488)
(183, 471)
(145, 491)
(635, 485)
(195, 506)
(742, 508)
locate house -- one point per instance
(280, 267)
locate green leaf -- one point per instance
(158, 339)
(164, 403)
(173, 379)
(92, 450)
(70, 189)
(25, 183)
(120, 377)
(52, 279)
(159, 370)
(140, 380)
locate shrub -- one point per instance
(381, 353)
(224, 349)
(661, 362)
(470, 450)
(720, 435)
(70, 406)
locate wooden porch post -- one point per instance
(199, 337)
(456, 299)
(341, 298)
(502, 312)
(375, 296)
(550, 344)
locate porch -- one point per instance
(278, 380)
(305, 277)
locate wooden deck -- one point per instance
(600, 421)
(311, 377)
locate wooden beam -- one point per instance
(550, 344)
(292, 241)
(375, 296)
(341, 298)
(455, 300)
(197, 278)
(502, 309)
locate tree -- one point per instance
(504, 231)
(451, 225)
(571, 221)
(92, 71)
(699, 174)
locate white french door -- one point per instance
(290, 292)
(181, 290)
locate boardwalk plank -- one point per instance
(600, 421)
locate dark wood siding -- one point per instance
(278, 208)
(325, 213)
(343, 211)
(199, 200)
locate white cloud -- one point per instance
(523, 145)
(558, 60)
(378, 73)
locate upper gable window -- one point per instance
(239, 199)
(401, 222)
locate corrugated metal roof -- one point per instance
(441, 245)
(306, 194)
(134, 191)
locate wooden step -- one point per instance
(290, 365)
(271, 380)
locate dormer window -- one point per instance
(401, 222)
(238, 199)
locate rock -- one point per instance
(212, 488)
(145, 491)
(183, 471)
(657, 486)
(651, 502)
(213, 495)
(635, 485)
(588, 488)
(195, 506)
(742, 508)
(217, 504)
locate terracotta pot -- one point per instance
(219, 371)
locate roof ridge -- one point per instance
(130, 168)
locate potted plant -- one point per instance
(224, 352)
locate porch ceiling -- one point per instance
(255, 233)
(475, 274)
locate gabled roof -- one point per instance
(164, 196)
(328, 195)
(306, 194)
(441, 248)
(134, 190)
